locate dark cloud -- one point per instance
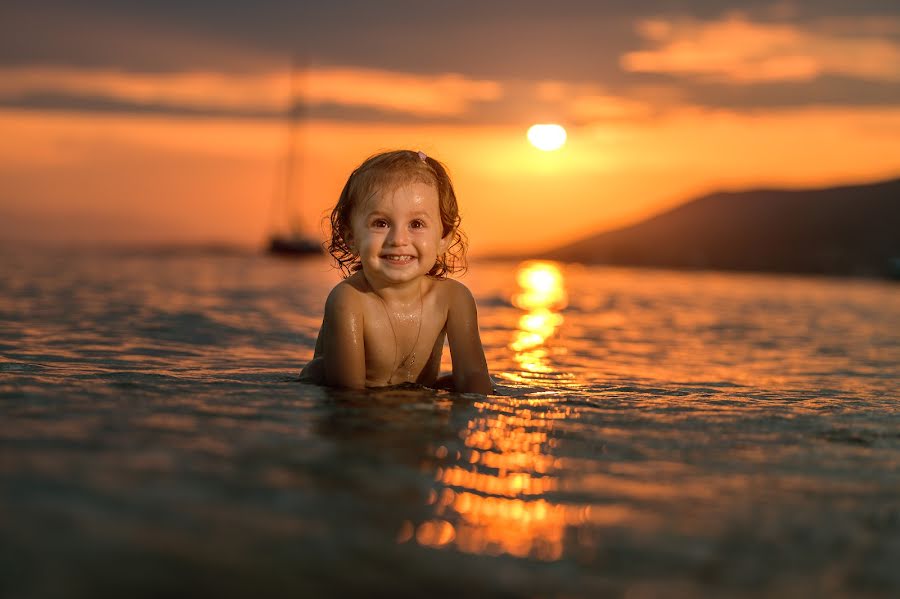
(481, 113)
(824, 91)
(571, 39)
(493, 40)
(61, 102)
(576, 40)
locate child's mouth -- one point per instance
(398, 258)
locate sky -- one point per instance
(167, 122)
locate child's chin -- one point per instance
(400, 274)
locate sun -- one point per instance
(547, 137)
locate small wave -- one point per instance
(20, 367)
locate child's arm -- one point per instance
(470, 372)
(342, 343)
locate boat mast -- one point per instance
(284, 216)
(290, 216)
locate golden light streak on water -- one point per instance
(495, 493)
(542, 295)
(493, 498)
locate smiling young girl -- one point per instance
(395, 235)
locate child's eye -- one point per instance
(417, 224)
(379, 223)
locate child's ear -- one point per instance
(447, 240)
(347, 236)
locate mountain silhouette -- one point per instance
(849, 230)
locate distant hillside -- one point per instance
(852, 230)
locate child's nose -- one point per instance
(398, 236)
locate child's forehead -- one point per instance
(415, 193)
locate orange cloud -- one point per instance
(425, 95)
(189, 90)
(737, 50)
(584, 103)
(446, 94)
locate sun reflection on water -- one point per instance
(542, 295)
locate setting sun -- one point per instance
(547, 137)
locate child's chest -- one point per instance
(401, 344)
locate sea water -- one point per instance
(654, 433)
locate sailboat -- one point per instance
(289, 236)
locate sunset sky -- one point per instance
(166, 121)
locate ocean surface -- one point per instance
(654, 434)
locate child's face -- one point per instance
(397, 233)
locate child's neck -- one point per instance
(402, 293)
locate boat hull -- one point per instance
(284, 246)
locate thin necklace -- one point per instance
(410, 360)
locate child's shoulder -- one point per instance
(452, 290)
(447, 285)
(348, 292)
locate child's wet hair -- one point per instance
(385, 171)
